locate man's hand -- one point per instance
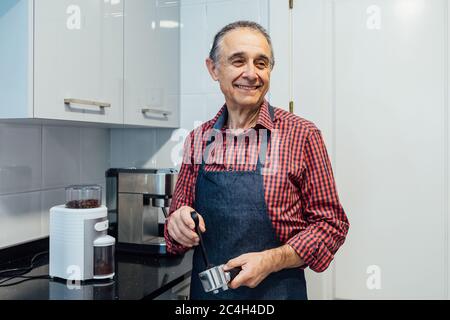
(181, 227)
(256, 266)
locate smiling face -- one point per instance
(243, 69)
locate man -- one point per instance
(271, 223)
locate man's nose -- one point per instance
(250, 71)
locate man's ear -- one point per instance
(212, 69)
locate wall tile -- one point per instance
(213, 104)
(20, 158)
(49, 199)
(61, 156)
(218, 15)
(140, 145)
(94, 155)
(194, 111)
(194, 49)
(20, 217)
(168, 142)
(187, 3)
(133, 147)
(103, 185)
(118, 158)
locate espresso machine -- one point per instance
(138, 201)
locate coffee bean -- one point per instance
(83, 204)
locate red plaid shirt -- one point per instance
(300, 191)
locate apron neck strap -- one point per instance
(264, 143)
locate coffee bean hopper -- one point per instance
(80, 248)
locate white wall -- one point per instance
(36, 163)
(391, 133)
(373, 75)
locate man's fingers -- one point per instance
(182, 227)
(186, 231)
(233, 263)
(202, 223)
(180, 237)
(238, 280)
(186, 218)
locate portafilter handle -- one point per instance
(164, 210)
(194, 217)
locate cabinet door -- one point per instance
(390, 135)
(79, 56)
(152, 63)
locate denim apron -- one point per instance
(233, 206)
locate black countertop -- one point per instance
(137, 277)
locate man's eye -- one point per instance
(238, 62)
(261, 65)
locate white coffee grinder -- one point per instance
(80, 248)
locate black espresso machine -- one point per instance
(138, 201)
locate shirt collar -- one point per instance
(264, 118)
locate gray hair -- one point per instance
(214, 54)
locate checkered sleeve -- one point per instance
(327, 223)
(183, 194)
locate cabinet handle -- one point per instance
(88, 103)
(165, 113)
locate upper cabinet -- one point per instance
(78, 58)
(151, 62)
(74, 59)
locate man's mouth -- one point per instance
(247, 87)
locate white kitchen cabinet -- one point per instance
(78, 54)
(70, 57)
(74, 59)
(152, 77)
(16, 59)
(391, 142)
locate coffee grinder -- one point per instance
(80, 248)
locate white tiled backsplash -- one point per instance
(139, 148)
(36, 163)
